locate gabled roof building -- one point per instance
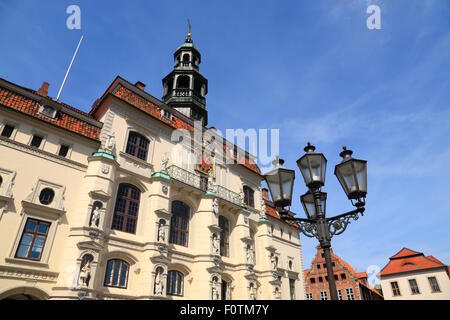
(350, 285)
(410, 275)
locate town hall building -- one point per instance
(108, 205)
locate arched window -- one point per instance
(224, 224)
(248, 196)
(183, 82)
(127, 207)
(175, 283)
(117, 273)
(46, 196)
(179, 224)
(186, 57)
(137, 145)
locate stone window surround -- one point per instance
(133, 126)
(68, 144)
(15, 124)
(52, 219)
(38, 133)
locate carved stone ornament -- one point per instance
(159, 283)
(105, 169)
(110, 143)
(215, 206)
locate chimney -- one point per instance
(265, 194)
(43, 90)
(140, 85)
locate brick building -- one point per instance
(350, 285)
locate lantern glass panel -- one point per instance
(316, 161)
(361, 175)
(304, 169)
(287, 181)
(274, 186)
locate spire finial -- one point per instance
(189, 35)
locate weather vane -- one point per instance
(189, 35)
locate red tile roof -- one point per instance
(30, 107)
(408, 260)
(405, 252)
(361, 275)
(140, 102)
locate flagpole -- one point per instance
(70, 66)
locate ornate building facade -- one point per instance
(109, 204)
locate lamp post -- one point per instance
(352, 175)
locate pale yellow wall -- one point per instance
(421, 278)
(90, 183)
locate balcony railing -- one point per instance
(228, 195)
(185, 92)
(203, 183)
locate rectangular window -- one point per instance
(63, 150)
(312, 280)
(309, 296)
(395, 288)
(292, 288)
(339, 292)
(320, 279)
(343, 276)
(434, 285)
(7, 131)
(350, 295)
(36, 141)
(323, 295)
(318, 266)
(33, 240)
(166, 114)
(414, 287)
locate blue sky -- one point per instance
(309, 68)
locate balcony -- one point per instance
(185, 93)
(202, 183)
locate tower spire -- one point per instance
(185, 88)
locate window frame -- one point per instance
(413, 286)
(224, 236)
(323, 294)
(395, 291)
(137, 146)
(35, 233)
(52, 198)
(350, 293)
(122, 262)
(12, 132)
(125, 215)
(432, 284)
(176, 232)
(37, 135)
(178, 276)
(249, 196)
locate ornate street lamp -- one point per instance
(351, 173)
(313, 167)
(309, 204)
(280, 181)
